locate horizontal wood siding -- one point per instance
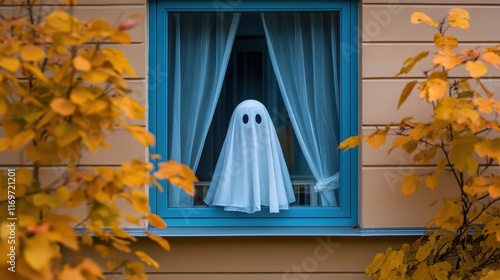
(379, 104)
(388, 39)
(113, 15)
(249, 276)
(263, 258)
(391, 23)
(384, 60)
(432, 3)
(108, 3)
(123, 146)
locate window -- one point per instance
(299, 59)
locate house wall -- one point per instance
(387, 39)
(123, 145)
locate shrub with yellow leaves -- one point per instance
(463, 240)
(62, 89)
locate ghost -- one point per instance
(251, 170)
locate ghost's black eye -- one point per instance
(258, 119)
(245, 118)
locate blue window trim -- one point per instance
(281, 231)
(312, 217)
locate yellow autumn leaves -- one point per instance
(460, 142)
(437, 85)
(63, 89)
(177, 174)
(447, 57)
(32, 53)
(463, 118)
(456, 104)
(70, 74)
(457, 17)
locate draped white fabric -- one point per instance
(251, 170)
(203, 43)
(303, 48)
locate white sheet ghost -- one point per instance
(251, 170)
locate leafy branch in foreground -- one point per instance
(62, 89)
(460, 138)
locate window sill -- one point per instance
(278, 231)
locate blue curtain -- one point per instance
(203, 44)
(304, 52)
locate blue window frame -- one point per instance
(346, 214)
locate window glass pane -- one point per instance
(250, 75)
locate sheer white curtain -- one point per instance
(303, 49)
(203, 43)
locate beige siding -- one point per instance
(384, 205)
(388, 39)
(379, 104)
(381, 202)
(390, 23)
(123, 146)
(113, 15)
(384, 60)
(136, 54)
(381, 157)
(381, 96)
(52, 175)
(266, 258)
(250, 276)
